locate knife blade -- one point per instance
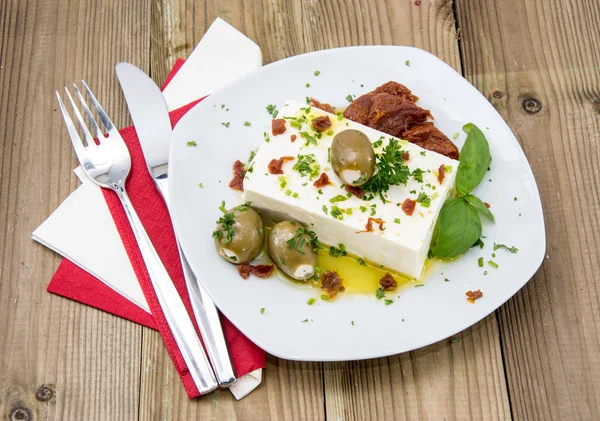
(151, 120)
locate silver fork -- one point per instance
(107, 164)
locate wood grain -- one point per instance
(86, 362)
(548, 53)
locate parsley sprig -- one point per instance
(298, 240)
(392, 171)
(307, 165)
(225, 225)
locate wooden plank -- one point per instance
(83, 362)
(538, 63)
(441, 379)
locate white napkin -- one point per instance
(223, 55)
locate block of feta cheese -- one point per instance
(337, 216)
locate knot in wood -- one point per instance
(596, 105)
(44, 393)
(532, 105)
(497, 94)
(21, 413)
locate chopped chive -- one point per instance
(329, 132)
(407, 62)
(288, 192)
(422, 153)
(247, 124)
(397, 220)
(295, 195)
(361, 261)
(449, 168)
(454, 340)
(325, 297)
(262, 310)
(338, 198)
(446, 280)
(226, 124)
(455, 136)
(317, 73)
(201, 185)
(493, 264)
(308, 85)
(363, 209)
(192, 143)
(324, 209)
(419, 285)
(352, 322)
(480, 262)
(388, 302)
(320, 191)
(311, 301)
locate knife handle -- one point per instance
(177, 317)
(205, 312)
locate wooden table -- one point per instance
(536, 358)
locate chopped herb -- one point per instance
(388, 302)
(377, 143)
(424, 200)
(449, 168)
(325, 297)
(336, 213)
(352, 322)
(373, 210)
(295, 195)
(309, 139)
(282, 261)
(493, 264)
(329, 132)
(413, 192)
(201, 185)
(261, 231)
(363, 209)
(304, 184)
(192, 143)
(296, 124)
(480, 262)
(407, 62)
(267, 137)
(516, 198)
(362, 86)
(361, 261)
(247, 124)
(222, 106)
(226, 124)
(493, 254)
(262, 310)
(311, 301)
(397, 220)
(320, 191)
(340, 116)
(308, 85)
(288, 192)
(271, 108)
(485, 272)
(422, 153)
(337, 252)
(349, 98)
(349, 211)
(392, 170)
(418, 175)
(430, 254)
(252, 155)
(338, 198)
(455, 136)
(317, 73)
(419, 285)
(379, 293)
(324, 209)
(446, 280)
(513, 249)
(282, 182)
(225, 224)
(454, 340)
(307, 100)
(307, 165)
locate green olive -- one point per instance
(239, 236)
(352, 157)
(291, 250)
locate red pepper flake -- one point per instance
(262, 271)
(332, 283)
(278, 126)
(237, 182)
(473, 295)
(388, 283)
(322, 123)
(293, 138)
(441, 173)
(325, 107)
(487, 205)
(322, 181)
(405, 155)
(409, 206)
(276, 164)
(369, 224)
(356, 191)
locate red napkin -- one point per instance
(73, 282)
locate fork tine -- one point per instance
(75, 139)
(103, 116)
(88, 136)
(89, 115)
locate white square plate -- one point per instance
(353, 326)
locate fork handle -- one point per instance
(178, 319)
(206, 313)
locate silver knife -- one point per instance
(151, 120)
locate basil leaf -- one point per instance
(457, 228)
(475, 159)
(478, 204)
